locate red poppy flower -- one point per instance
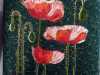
(43, 56)
(56, 12)
(71, 34)
(37, 8)
(52, 10)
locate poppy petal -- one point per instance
(71, 34)
(56, 12)
(57, 57)
(45, 10)
(63, 36)
(43, 56)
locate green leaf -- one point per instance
(82, 14)
(31, 37)
(12, 27)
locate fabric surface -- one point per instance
(87, 52)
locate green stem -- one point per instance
(12, 25)
(75, 12)
(82, 1)
(20, 47)
(67, 59)
(44, 72)
(75, 56)
(67, 69)
(38, 42)
(73, 70)
(75, 17)
(31, 27)
(39, 32)
(37, 69)
(31, 35)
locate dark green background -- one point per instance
(87, 52)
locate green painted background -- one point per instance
(87, 52)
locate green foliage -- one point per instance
(82, 14)
(12, 27)
(31, 37)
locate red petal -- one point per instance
(57, 11)
(63, 36)
(56, 16)
(82, 36)
(41, 56)
(40, 10)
